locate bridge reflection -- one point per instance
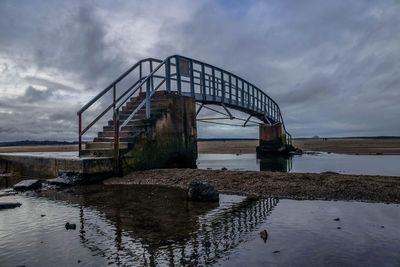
(146, 225)
(275, 163)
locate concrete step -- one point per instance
(137, 117)
(132, 104)
(107, 145)
(135, 127)
(133, 122)
(141, 114)
(130, 127)
(111, 139)
(122, 134)
(105, 152)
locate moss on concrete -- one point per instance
(171, 139)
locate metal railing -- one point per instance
(184, 76)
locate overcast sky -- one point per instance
(332, 66)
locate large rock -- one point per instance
(9, 205)
(66, 179)
(28, 185)
(201, 191)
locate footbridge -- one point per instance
(151, 110)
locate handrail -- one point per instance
(207, 83)
(112, 87)
(108, 88)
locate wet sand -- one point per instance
(350, 146)
(327, 186)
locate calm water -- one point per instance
(316, 163)
(151, 225)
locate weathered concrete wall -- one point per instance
(271, 139)
(271, 134)
(22, 166)
(170, 140)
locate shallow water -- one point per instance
(314, 163)
(153, 225)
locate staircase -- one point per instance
(103, 144)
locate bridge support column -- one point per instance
(170, 139)
(272, 139)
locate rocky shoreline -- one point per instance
(324, 186)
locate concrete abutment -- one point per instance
(170, 139)
(272, 140)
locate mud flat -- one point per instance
(328, 186)
(360, 146)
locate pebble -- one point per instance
(70, 226)
(264, 235)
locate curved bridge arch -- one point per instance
(188, 77)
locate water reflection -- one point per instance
(151, 225)
(275, 163)
(306, 163)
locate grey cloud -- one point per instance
(33, 95)
(333, 66)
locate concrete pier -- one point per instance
(272, 139)
(170, 139)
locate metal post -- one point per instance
(248, 95)
(213, 82)
(203, 81)
(168, 75)
(258, 100)
(223, 86)
(148, 99)
(242, 93)
(230, 89)
(253, 96)
(116, 128)
(151, 70)
(178, 76)
(237, 91)
(269, 106)
(140, 75)
(114, 97)
(80, 135)
(191, 78)
(116, 136)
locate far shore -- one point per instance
(361, 146)
(332, 145)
